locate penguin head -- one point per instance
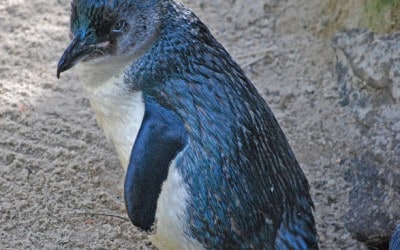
(105, 30)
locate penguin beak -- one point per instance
(76, 52)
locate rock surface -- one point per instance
(368, 69)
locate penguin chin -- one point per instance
(101, 64)
(95, 59)
(91, 59)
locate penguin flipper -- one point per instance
(161, 137)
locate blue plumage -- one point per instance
(395, 239)
(250, 173)
(210, 166)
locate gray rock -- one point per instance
(374, 59)
(368, 68)
(374, 200)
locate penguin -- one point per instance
(394, 243)
(207, 164)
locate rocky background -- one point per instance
(328, 69)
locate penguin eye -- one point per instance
(119, 26)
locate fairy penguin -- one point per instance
(207, 164)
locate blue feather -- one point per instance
(395, 240)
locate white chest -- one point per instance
(120, 119)
(171, 218)
(119, 112)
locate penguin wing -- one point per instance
(161, 137)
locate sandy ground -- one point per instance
(61, 182)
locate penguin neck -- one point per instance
(183, 42)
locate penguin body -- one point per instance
(210, 167)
